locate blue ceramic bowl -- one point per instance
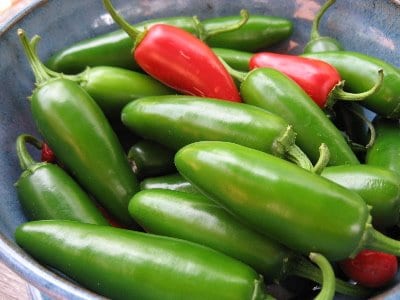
(367, 26)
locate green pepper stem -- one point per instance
(380, 242)
(38, 68)
(128, 28)
(314, 29)
(339, 94)
(328, 276)
(302, 267)
(204, 34)
(323, 160)
(296, 155)
(238, 75)
(25, 159)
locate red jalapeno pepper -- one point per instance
(179, 60)
(320, 80)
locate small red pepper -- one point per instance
(369, 268)
(47, 154)
(179, 60)
(320, 80)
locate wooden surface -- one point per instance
(11, 285)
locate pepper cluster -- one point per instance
(180, 160)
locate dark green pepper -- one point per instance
(149, 158)
(275, 92)
(46, 191)
(385, 150)
(302, 210)
(114, 48)
(175, 121)
(195, 218)
(239, 60)
(320, 43)
(359, 73)
(379, 188)
(125, 264)
(81, 137)
(173, 182)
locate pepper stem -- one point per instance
(380, 242)
(339, 94)
(25, 159)
(238, 75)
(323, 160)
(328, 276)
(204, 34)
(314, 29)
(302, 267)
(38, 68)
(128, 28)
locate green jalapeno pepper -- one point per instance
(320, 43)
(81, 137)
(46, 191)
(175, 121)
(385, 150)
(114, 48)
(379, 188)
(302, 210)
(198, 219)
(174, 182)
(148, 158)
(273, 91)
(239, 60)
(359, 73)
(122, 264)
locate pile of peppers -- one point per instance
(182, 160)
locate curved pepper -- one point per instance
(275, 92)
(175, 121)
(114, 48)
(120, 264)
(304, 211)
(81, 137)
(359, 73)
(46, 191)
(179, 60)
(195, 218)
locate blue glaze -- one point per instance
(367, 26)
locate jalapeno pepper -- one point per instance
(179, 60)
(148, 158)
(275, 92)
(304, 211)
(174, 182)
(318, 43)
(46, 191)
(188, 217)
(175, 121)
(359, 73)
(81, 137)
(385, 150)
(379, 188)
(239, 60)
(121, 264)
(320, 80)
(114, 48)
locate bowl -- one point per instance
(370, 27)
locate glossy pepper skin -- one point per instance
(379, 188)
(304, 211)
(275, 92)
(81, 137)
(385, 150)
(239, 60)
(47, 192)
(121, 264)
(175, 121)
(179, 60)
(359, 73)
(149, 158)
(114, 48)
(198, 219)
(174, 182)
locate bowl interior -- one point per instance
(370, 27)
